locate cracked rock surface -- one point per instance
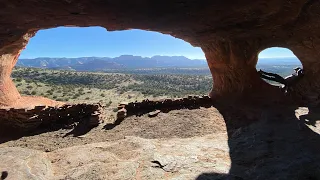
(130, 158)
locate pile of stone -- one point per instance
(122, 112)
(29, 119)
(164, 105)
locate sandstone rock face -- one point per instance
(130, 158)
(231, 34)
(9, 94)
(23, 163)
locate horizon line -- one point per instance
(203, 58)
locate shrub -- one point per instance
(75, 96)
(108, 103)
(29, 87)
(18, 80)
(26, 92)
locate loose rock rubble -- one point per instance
(154, 113)
(165, 105)
(68, 115)
(121, 114)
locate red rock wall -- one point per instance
(231, 34)
(8, 92)
(232, 65)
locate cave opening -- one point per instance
(277, 61)
(57, 65)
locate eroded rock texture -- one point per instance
(66, 116)
(231, 33)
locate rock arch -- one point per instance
(231, 33)
(279, 57)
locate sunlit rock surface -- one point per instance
(131, 158)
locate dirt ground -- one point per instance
(264, 143)
(178, 123)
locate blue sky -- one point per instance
(97, 41)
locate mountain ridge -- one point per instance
(102, 63)
(132, 62)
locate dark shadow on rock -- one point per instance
(312, 117)
(8, 133)
(268, 142)
(142, 112)
(113, 125)
(215, 176)
(168, 109)
(165, 106)
(82, 128)
(4, 175)
(17, 123)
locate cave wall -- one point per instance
(231, 34)
(307, 50)
(9, 94)
(233, 67)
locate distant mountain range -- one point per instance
(278, 61)
(106, 63)
(135, 62)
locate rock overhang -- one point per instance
(231, 33)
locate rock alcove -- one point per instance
(231, 34)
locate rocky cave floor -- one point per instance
(205, 143)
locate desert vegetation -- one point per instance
(107, 88)
(114, 86)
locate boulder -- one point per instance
(121, 114)
(154, 113)
(22, 163)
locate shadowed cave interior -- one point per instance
(266, 138)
